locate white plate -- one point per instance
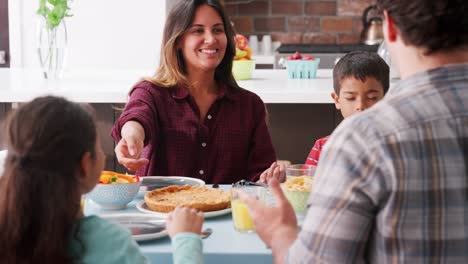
(152, 226)
(156, 182)
(164, 181)
(141, 205)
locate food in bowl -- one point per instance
(110, 177)
(114, 190)
(202, 198)
(297, 189)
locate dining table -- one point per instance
(224, 245)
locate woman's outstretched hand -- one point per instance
(130, 146)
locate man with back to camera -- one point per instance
(392, 183)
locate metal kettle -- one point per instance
(372, 27)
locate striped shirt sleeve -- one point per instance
(314, 154)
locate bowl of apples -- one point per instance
(243, 65)
(302, 66)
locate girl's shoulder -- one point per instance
(104, 242)
(98, 227)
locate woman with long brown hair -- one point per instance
(191, 118)
(54, 156)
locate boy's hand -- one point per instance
(184, 220)
(275, 171)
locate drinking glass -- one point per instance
(300, 170)
(253, 41)
(266, 45)
(240, 215)
(298, 185)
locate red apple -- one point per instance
(307, 57)
(290, 57)
(297, 55)
(241, 42)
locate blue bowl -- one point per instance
(114, 196)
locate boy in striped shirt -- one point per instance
(360, 79)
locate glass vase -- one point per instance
(52, 48)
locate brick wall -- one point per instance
(300, 21)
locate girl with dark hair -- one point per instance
(54, 156)
(191, 118)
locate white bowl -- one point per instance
(114, 196)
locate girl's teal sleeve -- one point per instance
(188, 249)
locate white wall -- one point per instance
(117, 34)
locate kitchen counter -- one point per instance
(299, 110)
(99, 86)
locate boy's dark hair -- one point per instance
(361, 65)
(433, 25)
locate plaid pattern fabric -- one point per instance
(232, 143)
(314, 154)
(396, 185)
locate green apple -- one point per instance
(240, 54)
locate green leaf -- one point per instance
(42, 10)
(59, 11)
(54, 11)
(53, 20)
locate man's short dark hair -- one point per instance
(440, 25)
(361, 65)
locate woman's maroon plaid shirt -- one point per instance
(230, 144)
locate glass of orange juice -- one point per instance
(240, 215)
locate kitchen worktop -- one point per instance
(112, 86)
(326, 48)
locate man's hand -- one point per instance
(276, 226)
